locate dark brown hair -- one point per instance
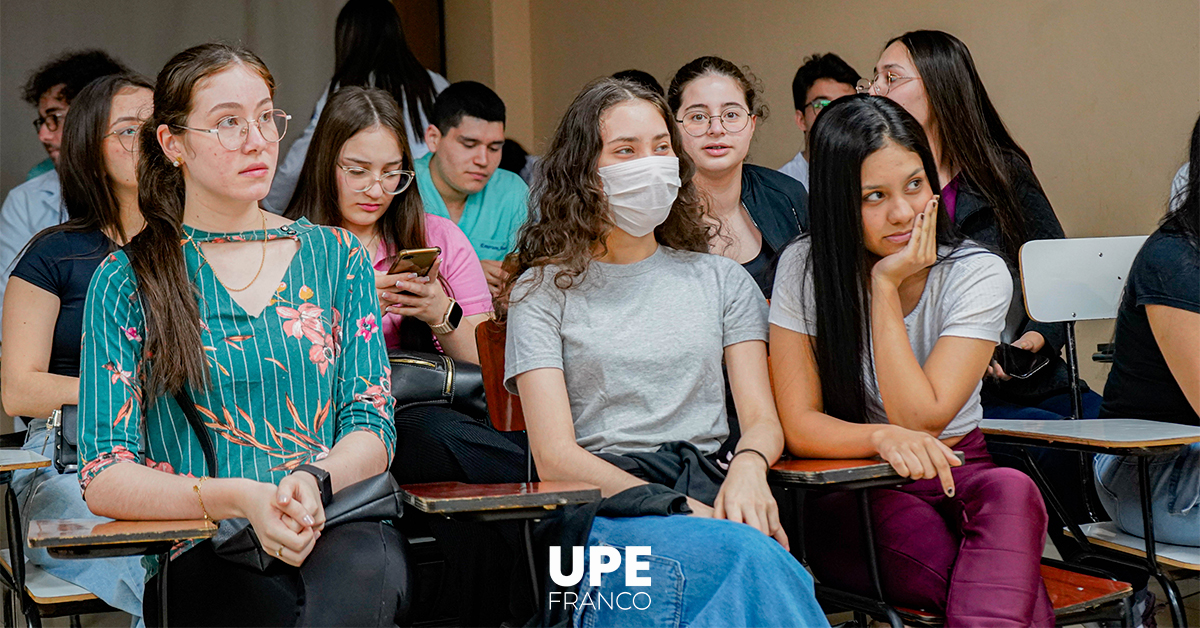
(87, 189)
(569, 219)
(971, 136)
(350, 110)
(716, 66)
(172, 314)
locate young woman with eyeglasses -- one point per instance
(883, 322)
(44, 317)
(358, 175)
(756, 210)
(266, 325)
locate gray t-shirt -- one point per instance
(640, 346)
(966, 296)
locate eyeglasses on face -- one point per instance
(882, 84)
(818, 104)
(127, 135)
(697, 123)
(392, 182)
(233, 131)
(52, 121)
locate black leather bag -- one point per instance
(433, 379)
(373, 499)
(65, 423)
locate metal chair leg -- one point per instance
(533, 575)
(164, 564)
(1168, 585)
(864, 506)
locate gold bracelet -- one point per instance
(196, 487)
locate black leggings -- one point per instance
(357, 575)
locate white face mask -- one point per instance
(641, 192)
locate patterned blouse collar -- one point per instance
(293, 231)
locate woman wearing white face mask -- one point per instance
(618, 323)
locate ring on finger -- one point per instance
(279, 552)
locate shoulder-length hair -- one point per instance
(971, 136)
(845, 134)
(172, 314)
(569, 220)
(88, 192)
(352, 109)
(370, 49)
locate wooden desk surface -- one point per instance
(78, 533)
(1099, 433)
(826, 472)
(452, 497)
(13, 459)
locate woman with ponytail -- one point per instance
(269, 327)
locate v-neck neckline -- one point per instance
(292, 231)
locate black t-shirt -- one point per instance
(762, 268)
(63, 264)
(1140, 386)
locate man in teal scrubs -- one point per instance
(459, 179)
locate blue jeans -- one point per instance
(46, 494)
(1174, 494)
(703, 572)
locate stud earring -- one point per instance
(178, 162)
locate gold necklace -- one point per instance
(261, 262)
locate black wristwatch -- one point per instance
(322, 481)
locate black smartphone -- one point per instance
(417, 261)
(1018, 362)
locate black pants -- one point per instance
(440, 445)
(357, 575)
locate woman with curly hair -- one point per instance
(611, 267)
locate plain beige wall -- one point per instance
(1101, 93)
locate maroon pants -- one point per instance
(975, 556)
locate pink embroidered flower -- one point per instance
(305, 321)
(374, 395)
(131, 333)
(322, 353)
(367, 327)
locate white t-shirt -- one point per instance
(966, 295)
(797, 169)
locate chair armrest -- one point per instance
(13, 459)
(1112, 436)
(835, 474)
(95, 538)
(518, 500)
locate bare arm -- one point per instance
(30, 314)
(745, 496)
(428, 301)
(1177, 333)
(356, 457)
(552, 436)
(810, 433)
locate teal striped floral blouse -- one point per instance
(287, 384)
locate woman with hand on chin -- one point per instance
(882, 325)
(756, 210)
(609, 269)
(265, 324)
(358, 176)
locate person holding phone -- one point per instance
(358, 175)
(883, 322)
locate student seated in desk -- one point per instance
(98, 166)
(618, 325)
(882, 324)
(1156, 371)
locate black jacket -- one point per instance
(976, 219)
(778, 205)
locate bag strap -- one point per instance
(185, 400)
(193, 418)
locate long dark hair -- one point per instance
(971, 136)
(172, 316)
(87, 188)
(370, 48)
(569, 218)
(350, 110)
(1185, 218)
(844, 135)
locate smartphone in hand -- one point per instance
(417, 261)
(1017, 362)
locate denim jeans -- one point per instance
(1174, 494)
(703, 572)
(46, 494)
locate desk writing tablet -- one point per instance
(89, 533)
(452, 497)
(1096, 433)
(824, 472)
(13, 459)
